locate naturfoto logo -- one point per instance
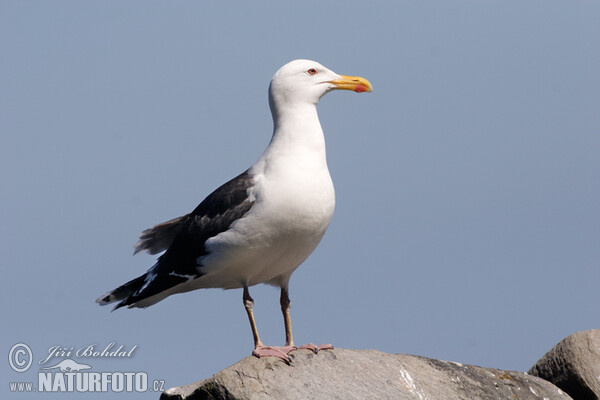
(59, 372)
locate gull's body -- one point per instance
(260, 226)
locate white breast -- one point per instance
(294, 203)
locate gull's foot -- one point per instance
(315, 348)
(273, 351)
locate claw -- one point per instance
(273, 351)
(313, 347)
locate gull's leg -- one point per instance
(289, 341)
(284, 300)
(249, 304)
(260, 350)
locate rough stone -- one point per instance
(363, 374)
(573, 365)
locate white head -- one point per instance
(305, 81)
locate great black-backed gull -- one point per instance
(261, 225)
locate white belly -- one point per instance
(290, 216)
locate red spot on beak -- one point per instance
(360, 89)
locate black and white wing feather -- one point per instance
(184, 238)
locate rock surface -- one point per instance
(573, 365)
(363, 374)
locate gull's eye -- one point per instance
(311, 71)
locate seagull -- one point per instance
(261, 225)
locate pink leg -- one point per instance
(260, 350)
(285, 302)
(289, 341)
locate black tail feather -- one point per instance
(122, 293)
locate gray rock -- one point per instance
(573, 365)
(363, 374)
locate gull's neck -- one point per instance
(296, 128)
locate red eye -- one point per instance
(312, 71)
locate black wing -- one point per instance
(178, 264)
(161, 236)
(214, 215)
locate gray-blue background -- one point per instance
(467, 225)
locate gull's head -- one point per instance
(306, 81)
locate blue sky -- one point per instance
(467, 225)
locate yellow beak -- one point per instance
(355, 83)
